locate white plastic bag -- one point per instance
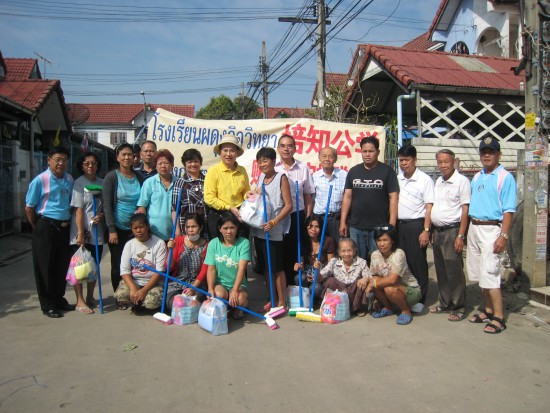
(213, 317)
(252, 211)
(82, 268)
(185, 310)
(293, 296)
(335, 307)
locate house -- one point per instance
(33, 117)
(281, 112)
(439, 94)
(113, 123)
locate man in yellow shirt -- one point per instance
(226, 185)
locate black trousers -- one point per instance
(51, 256)
(416, 256)
(290, 245)
(116, 254)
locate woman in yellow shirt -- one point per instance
(226, 185)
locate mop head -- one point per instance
(163, 318)
(271, 323)
(308, 316)
(94, 189)
(276, 312)
(293, 311)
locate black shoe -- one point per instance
(52, 313)
(66, 307)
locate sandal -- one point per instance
(83, 309)
(384, 313)
(404, 319)
(361, 313)
(457, 315)
(267, 307)
(238, 314)
(437, 310)
(495, 329)
(482, 317)
(92, 303)
(121, 305)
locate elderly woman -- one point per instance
(121, 190)
(226, 185)
(156, 196)
(81, 234)
(392, 281)
(227, 257)
(348, 273)
(192, 185)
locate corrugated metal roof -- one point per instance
(446, 69)
(121, 113)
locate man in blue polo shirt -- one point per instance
(492, 206)
(48, 209)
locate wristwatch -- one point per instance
(504, 235)
(427, 229)
(461, 236)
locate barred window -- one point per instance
(117, 138)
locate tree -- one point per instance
(221, 107)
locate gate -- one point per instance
(6, 190)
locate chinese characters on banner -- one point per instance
(177, 133)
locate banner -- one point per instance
(178, 133)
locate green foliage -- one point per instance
(222, 107)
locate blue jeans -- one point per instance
(364, 240)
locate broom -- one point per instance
(292, 312)
(269, 321)
(96, 190)
(310, 316)
(161, 316)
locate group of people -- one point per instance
(379, 225)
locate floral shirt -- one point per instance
(396, 263)
(337, 269)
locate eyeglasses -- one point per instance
(60, 160)
(87, 164)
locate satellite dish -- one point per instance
(78, 113)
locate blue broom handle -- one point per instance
(299, 242)
(320, 249)
(200, 290)
(171, 252)
(97, 257)
(269, 272)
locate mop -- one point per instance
(310, 315)
(292, 312)
(274, 311)
(160, 315)
(269, 321)
(96, 190)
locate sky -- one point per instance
(188, 51)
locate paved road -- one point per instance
(83, 363)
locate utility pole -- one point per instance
(537, 128)
(264, 83)
(321, 23)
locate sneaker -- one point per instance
(417, 308)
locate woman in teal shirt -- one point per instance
(121, 190)
(156, 196)
(227, 257)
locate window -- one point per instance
(117, 138)
(92, 136)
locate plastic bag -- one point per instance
(213, 317)
(252, 211)
(185, 310)
(293, 296)
(335, 307)
(82, 268)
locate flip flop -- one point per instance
(404, 319)
(92, 303)
(84, 309)
(267, 307)
(384, 313)
(237, 314)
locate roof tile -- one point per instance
(122, 113)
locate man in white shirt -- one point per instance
(449, 223)
(416, 196)
(322, 179)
